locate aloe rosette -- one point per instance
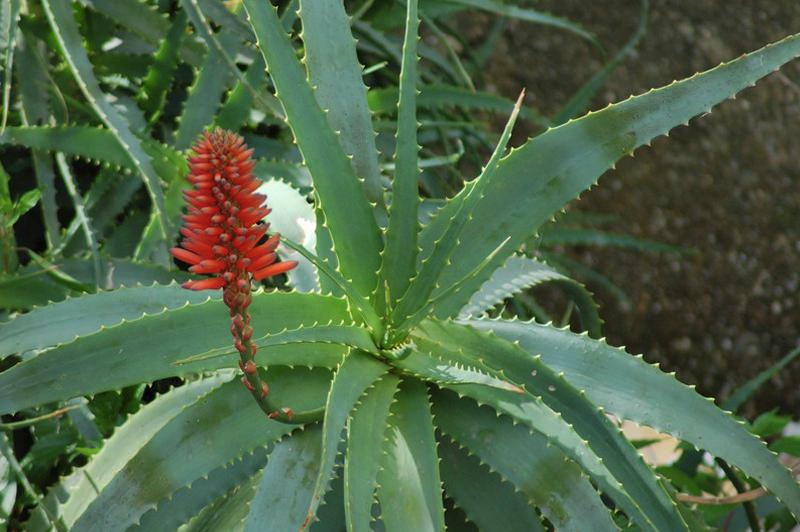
(404, 396)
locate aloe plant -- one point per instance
(403, 395)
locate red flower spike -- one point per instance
(222, 236)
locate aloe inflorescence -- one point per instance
(223, 236)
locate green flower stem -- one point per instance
(242, 333)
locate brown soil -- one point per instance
(728, 185)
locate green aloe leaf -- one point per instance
(538, 469)
(235, 112)
(487, 498)
(224, 16)
(69, 40)
(221, 426)
(538, 179)
(148, 348)
(8, 489)
(336, 75)
(420, 364)
(34, 100)
(9, 13)
(410, 490)
(62, 322)
(433, 97)
(400, 255)
(287, 483)
(569, 236)
(520, 273)
(365, 451)
(501, 358)
(632, 389)
(93, 143)
(532, 411)
(348, 217)
(743, 393)
(418, 294)
(187, 502)
(75, 492)
(357, 372)
(226, 49)
(528, 15)
(142, 19)
(160, 73)
(205, 94)
(228, 511)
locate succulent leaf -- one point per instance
(400, 255)
(189, 501)
(357, 372)
(154, 474)
(520, 273)
(410, 490)
(488, 500)
(539, 470)
(66, 31)
(336, 75)
(352, 226)
(148, 348)
(365, 451)
(501, 358)
(287, 483)
(632, 389)
(536, 180)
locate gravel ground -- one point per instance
(728, 186)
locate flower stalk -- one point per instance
(223, 237)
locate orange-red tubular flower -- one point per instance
(222, 237)
(220, 232)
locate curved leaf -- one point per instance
(74, 494)
(488, 500)
(188, 502)
(520, 273)
(400, 255)
(205, 94)
(287, 483)
(147, 348)
(220, 427)
(501, 358)
(62, 22)
(538, 179)
(336, 75)
(384, 100)
(410, 490)
(78, 316)
(357, 372)
(365, 434)
(228, 511)
(528, 15)
(348, 216)
(632, 389)
(143, 20)
(527, 459)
